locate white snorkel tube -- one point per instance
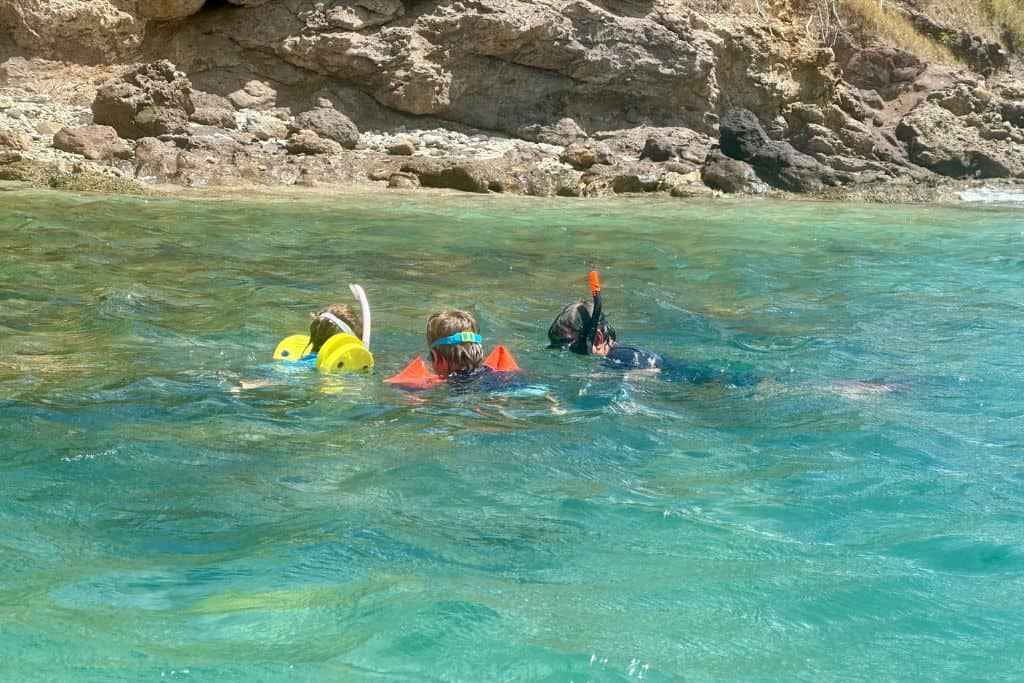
(358, 293)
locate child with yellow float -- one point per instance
(453, 338)
(332, 343)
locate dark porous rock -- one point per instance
(155, 161)
(1013, 112)
(92, 142)
(254, 95)
(154, 99)
(403, 180)
(730, 175)
(402, 148)
(777, 163)
(12, 139)
(330, 123)
(657, 149)
(949, 146)
(308, 142)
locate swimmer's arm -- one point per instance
(255, 384)
(641, 374)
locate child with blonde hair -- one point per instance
(453, 337)
(456, 353)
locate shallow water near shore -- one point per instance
(173, 504)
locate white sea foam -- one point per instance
(992, 195)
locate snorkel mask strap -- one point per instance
(588, 335)
(326, 315)
(358, 293)
(458, 338)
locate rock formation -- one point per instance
(570, 97)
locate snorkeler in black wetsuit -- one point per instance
(582, 328)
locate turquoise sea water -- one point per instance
(173, 505)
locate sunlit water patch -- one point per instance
(174, 504)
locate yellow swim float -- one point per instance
(343, 352)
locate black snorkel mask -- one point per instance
(585, 341)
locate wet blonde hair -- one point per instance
(322, 329)
(450, 359)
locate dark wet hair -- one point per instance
(569, 325)
(322, 329)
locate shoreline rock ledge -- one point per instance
(570, 98)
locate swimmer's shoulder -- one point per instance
(633, 358)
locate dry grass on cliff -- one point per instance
(883, 21)
(995, 20)
(1009, 14)
(872, 19)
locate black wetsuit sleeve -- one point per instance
(633, 358)
(673, 369)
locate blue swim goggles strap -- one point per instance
(458, 338)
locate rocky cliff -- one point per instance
(569, 97)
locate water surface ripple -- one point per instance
(172, 504)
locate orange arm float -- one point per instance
(416, 375)
(501, 360)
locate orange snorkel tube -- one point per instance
(587, 336)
